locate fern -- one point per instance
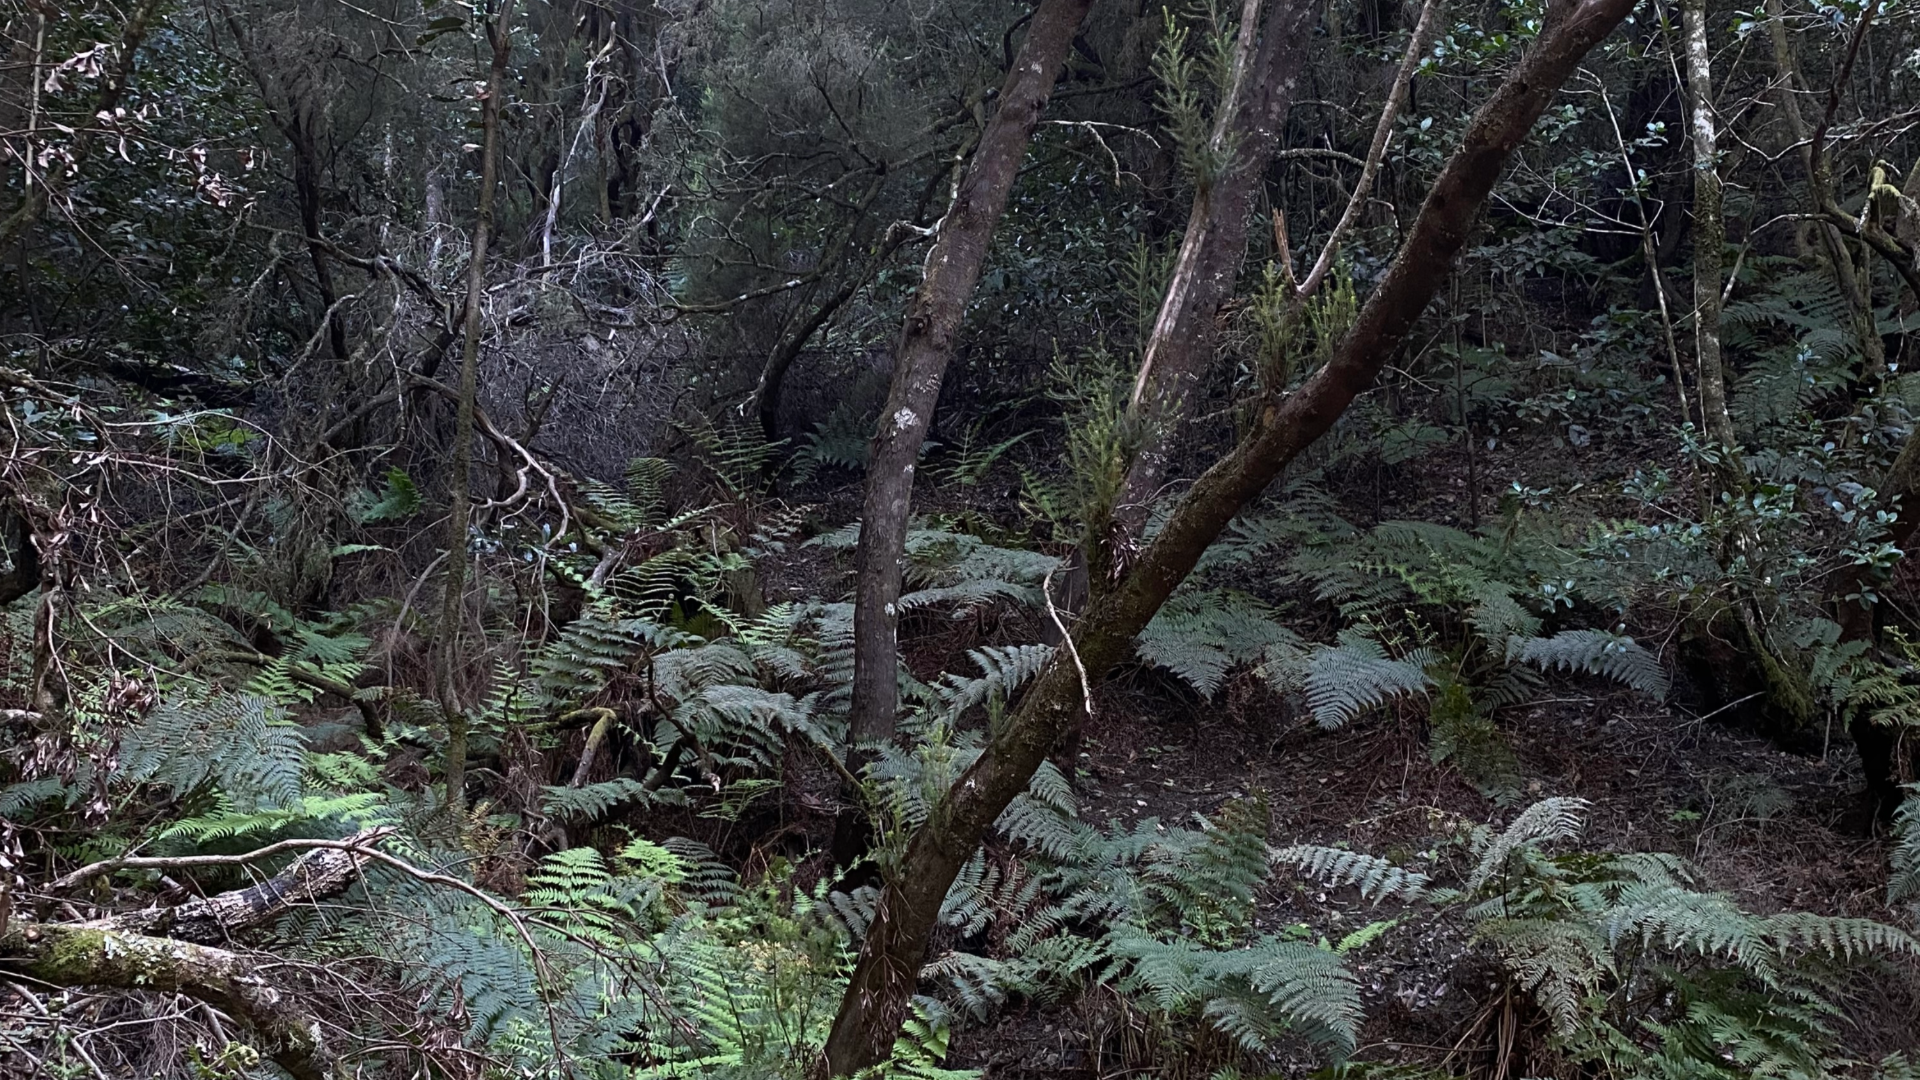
(239, 743)
(1201, 635)
(1376, 878)
(1595, 652)
(592, 802)
(1357, 674)
(1004, 669)
(1546, 821)
(1903, 883)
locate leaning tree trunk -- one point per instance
(1184, 334)
(926, 345)
(459, 477)
(888, 967)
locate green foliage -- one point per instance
(1160, 914)
(1199, 637)
(1343, 680)
(1595, 652)
(1640, 972)
(1903, 883)
(396, 500)
(239, 744)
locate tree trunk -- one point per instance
(926, 345)
(79, 956)
(1820, 189)
(808, 317)
(1879, 745)
(887, 970)
(1184, 334)
(459, 475)
(1709, 237)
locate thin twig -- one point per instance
(1086, 688)
(1382, 134)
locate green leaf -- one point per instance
(397, 500)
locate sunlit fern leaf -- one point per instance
(1595, 652)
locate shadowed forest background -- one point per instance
(1094, 539)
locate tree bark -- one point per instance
(887, 970)
(1820, 191)
(927, 342)
(809, 316)
(1184, 334)
(169, 950)
(319, 874)
(82, 956)
(460, 473)
(1709, 237)
(1880, 746)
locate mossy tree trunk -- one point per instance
(1182, 343)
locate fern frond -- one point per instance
(1357, 674)
(1544, 822)
(1595, 652)
(1376, 878)
(1200, 635)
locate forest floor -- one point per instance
(1777, 830)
